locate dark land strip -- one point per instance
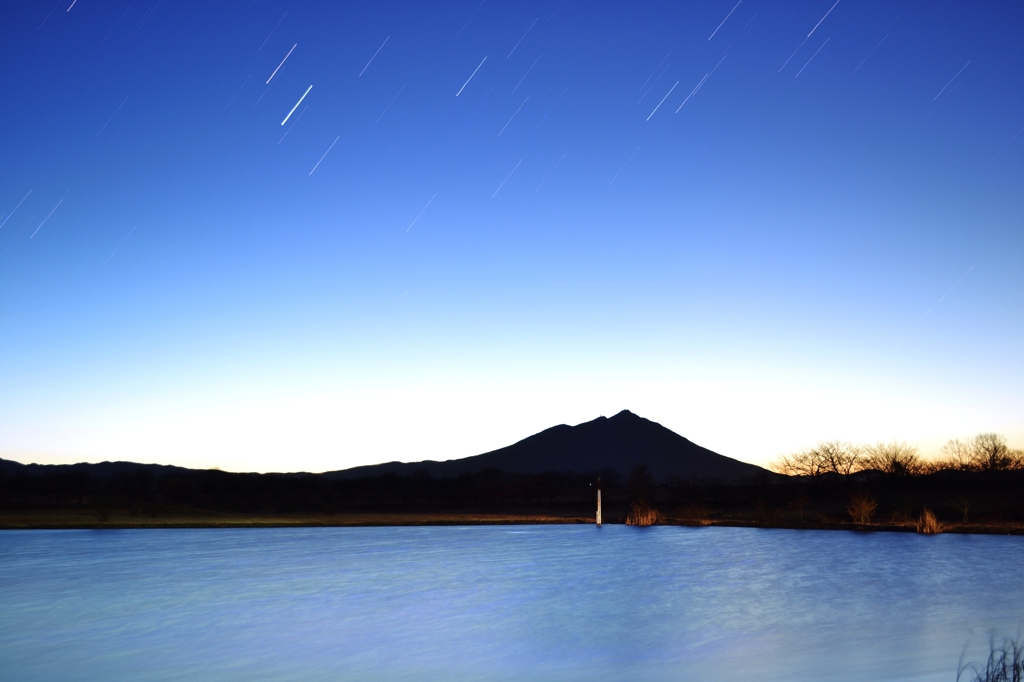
(138, 496)
(647, 474)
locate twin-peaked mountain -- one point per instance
(621, 443)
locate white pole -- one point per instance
(599, 506)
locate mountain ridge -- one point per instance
(618, 443)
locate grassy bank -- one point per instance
(195, 518)
(85, 518)
(974, 501)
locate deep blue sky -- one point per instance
(826, 240)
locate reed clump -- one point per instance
(642, 515)
(927, 524)
(641, 493)
(1005, 664)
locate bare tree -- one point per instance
(827, 457)
(806, 463)
(989, 452)
(841, 458)
(984, 452)
(862, 507)
(895, 458)
(957, 454)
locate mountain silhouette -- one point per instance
(621, 443)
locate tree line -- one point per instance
(984, 452)
(971, 480)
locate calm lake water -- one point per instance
(496, 603)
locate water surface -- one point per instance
(501, 603)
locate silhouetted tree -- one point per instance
(895, 458)
(841, 458)
(989, 452)
(827, 457)
(808, 464)
(956, 455)
(984, 452)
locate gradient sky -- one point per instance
(824, 241)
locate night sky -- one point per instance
(759, 224)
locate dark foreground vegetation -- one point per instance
(1005, 663)
(964, 499)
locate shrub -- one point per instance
(862, 507)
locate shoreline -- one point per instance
(50, 521)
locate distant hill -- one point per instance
(620, 443)
(99, 469)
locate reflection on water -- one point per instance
(527, 602)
